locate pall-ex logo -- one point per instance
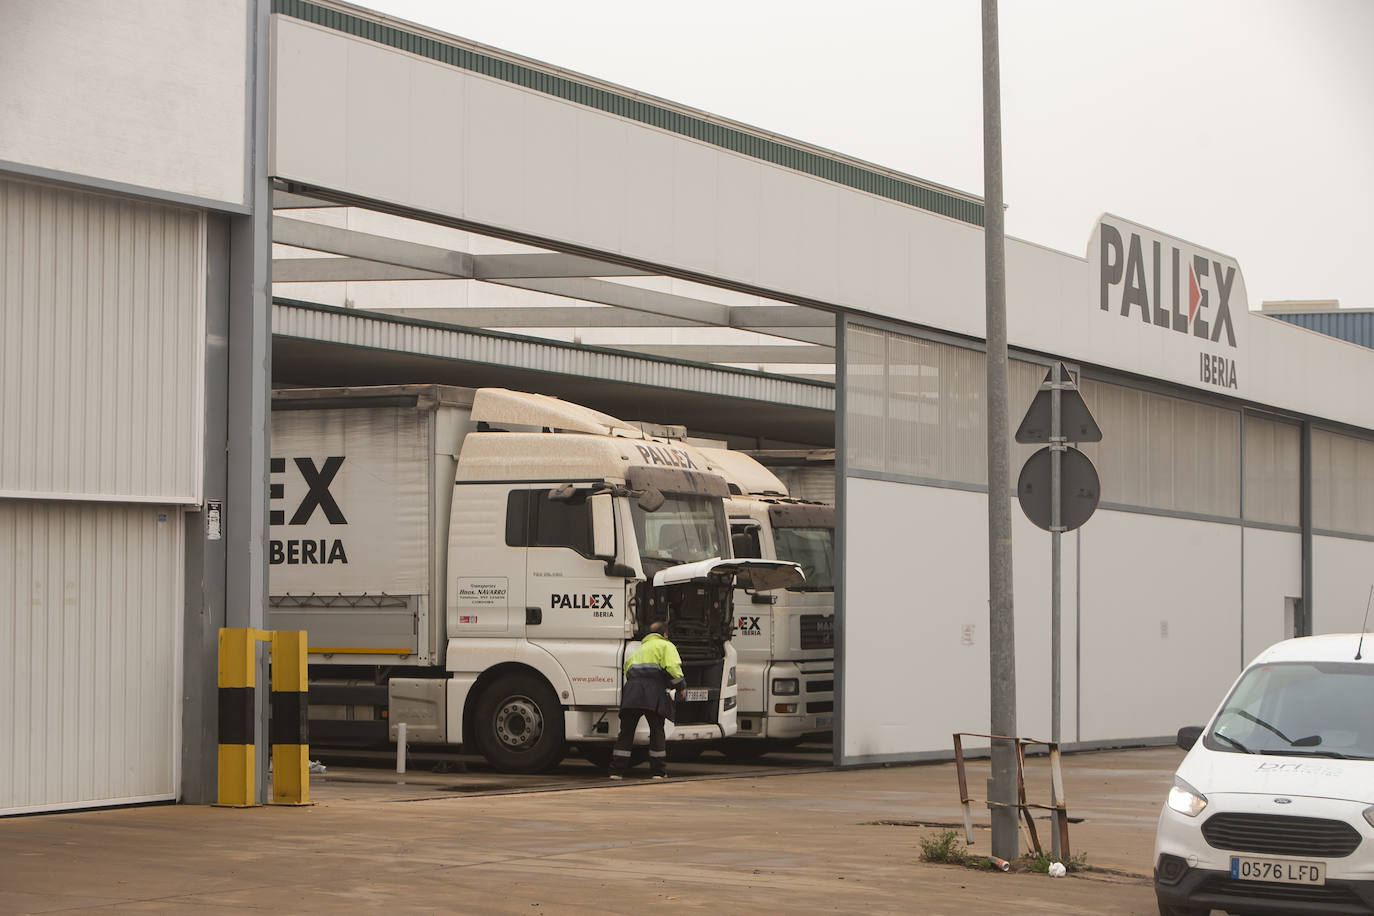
(1173, 289)
(661, 454)
(581, 602)
(748, 626)
(307, 551)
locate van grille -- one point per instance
(1281, 835)
(1220, 891)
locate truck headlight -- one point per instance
(1188, 801)
(786, 686)
(1369, 815)
(730, 678)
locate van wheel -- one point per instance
(1173, 909)
(520, 725)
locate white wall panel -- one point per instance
(148, 93)
(911, 588)
(1342, 576)
(377, 132)
(915, 666)
(101, 346)
(1273, 572)
(90, 615)
(1160, 622)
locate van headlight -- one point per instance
(1188, 801)
(1369, 815)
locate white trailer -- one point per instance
(786, 636)
(476, 563)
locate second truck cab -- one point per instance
(786, 636)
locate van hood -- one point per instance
(1218, 772)
(762, 574)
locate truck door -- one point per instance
(753, 637)
(486, 565)
(575, 610)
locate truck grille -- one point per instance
(1278, 834)
(817, 631)
(823, 706)
(820, 686)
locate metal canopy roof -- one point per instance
(365, 297)
(318, 346)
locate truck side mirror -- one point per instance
(1188, 735)
(603, 526)
(562, 494)
(651, 500)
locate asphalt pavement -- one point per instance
(779, 836)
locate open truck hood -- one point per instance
(760, 574)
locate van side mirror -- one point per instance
(1188, 735)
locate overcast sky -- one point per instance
(1244, 126)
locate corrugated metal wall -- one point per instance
(102, 349)
(101, 346)
(90, 624)
(1354, 325)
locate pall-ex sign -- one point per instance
(1154, 284)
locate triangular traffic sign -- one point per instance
(1075, 419)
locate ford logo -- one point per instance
(1283, 801)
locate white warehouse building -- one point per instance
(242, 193)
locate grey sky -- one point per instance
(1245, 126)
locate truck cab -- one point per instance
(785, 637)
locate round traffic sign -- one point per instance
(1079, 488)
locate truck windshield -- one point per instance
(813, 549)
(685, 529)
(1312, 709)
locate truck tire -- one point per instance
(519, 724)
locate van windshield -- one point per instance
(1316, 709)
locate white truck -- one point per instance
(785, 637)
(476, 563)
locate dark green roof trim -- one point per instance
(762, 148)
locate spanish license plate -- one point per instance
(697, 694)
(1278, 871)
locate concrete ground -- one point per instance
(798, 842)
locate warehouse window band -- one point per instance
(1342, 484)
(916, 409)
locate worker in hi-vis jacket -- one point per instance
(650, 672)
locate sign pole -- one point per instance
(1056, 529)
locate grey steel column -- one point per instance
(250, 378)
(205, 553)
(1001, 619)
(841, 536)
(1305, 522)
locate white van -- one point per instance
(1272, 811)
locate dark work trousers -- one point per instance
(658, 754)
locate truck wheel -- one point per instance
(520, 725)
